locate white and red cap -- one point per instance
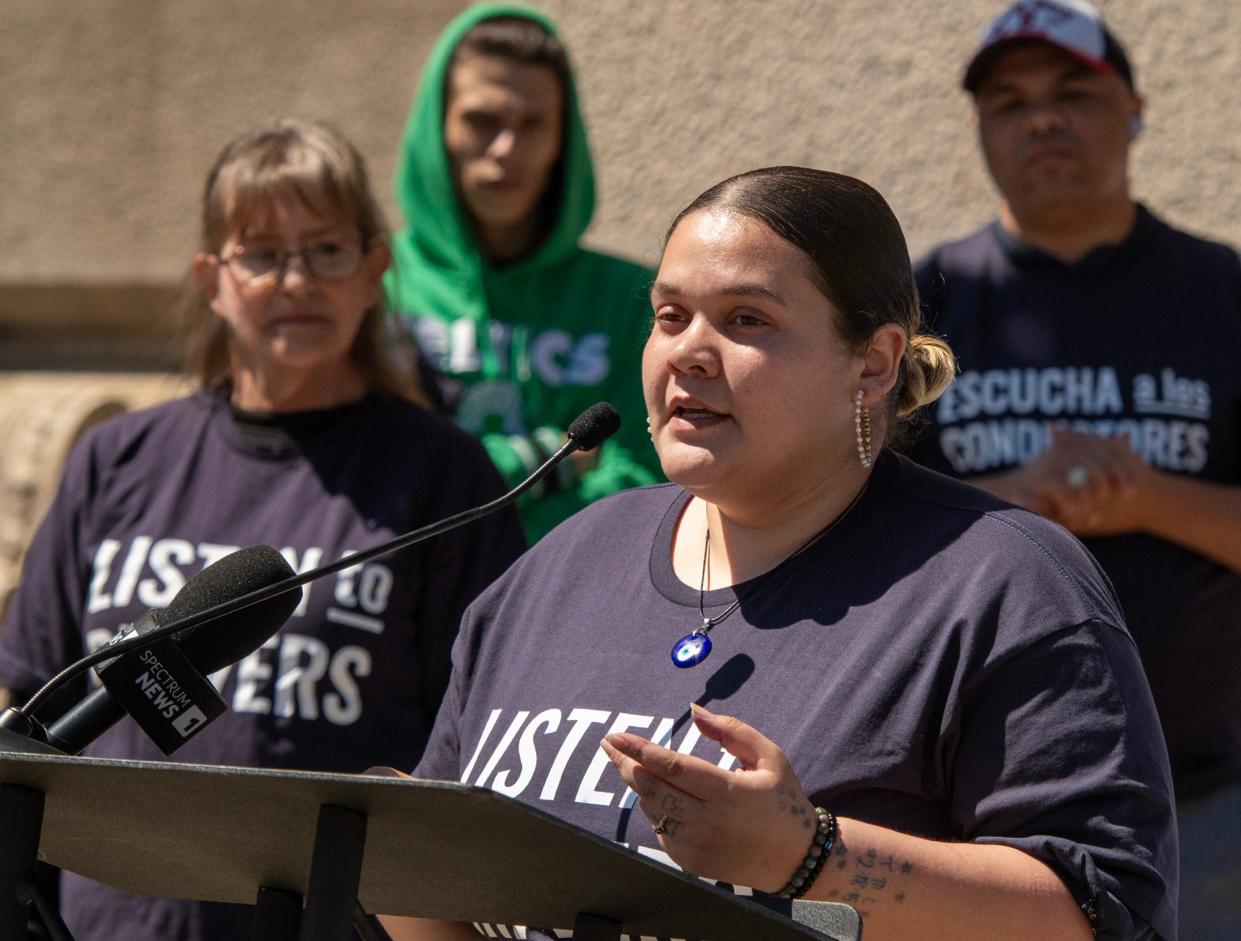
(1072, 25)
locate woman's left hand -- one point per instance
(750, 826)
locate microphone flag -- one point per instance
(163, 692)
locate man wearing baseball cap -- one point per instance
(1101, 387)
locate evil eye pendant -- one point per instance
(691, 650)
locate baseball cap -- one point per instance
(1072, 25)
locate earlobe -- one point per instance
(377, 261)
(882, 361)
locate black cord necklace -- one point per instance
(695, 646)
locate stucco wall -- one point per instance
(113, 110)
(683, 94)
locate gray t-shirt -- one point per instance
(939, 663)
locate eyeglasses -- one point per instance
(331, 260)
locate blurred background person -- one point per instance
(523, 327)
(1100, 388)
(934, 712)
(305, 436)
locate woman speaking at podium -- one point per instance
(808, 666)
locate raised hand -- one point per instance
(750, 826)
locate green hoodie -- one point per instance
(531, 343)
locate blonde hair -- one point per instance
(314, 163)
(927, 369)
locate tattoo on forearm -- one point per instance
(872, 876)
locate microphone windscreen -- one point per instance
(217, 644)
(594, 426)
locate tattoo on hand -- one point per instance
(671, 803)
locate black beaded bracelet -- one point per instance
(816, 857)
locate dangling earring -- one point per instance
(861, 426)
(648, 428)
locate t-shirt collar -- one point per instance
(1096, 260)
(665, 579)
(277, 435)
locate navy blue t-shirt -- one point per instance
(1140, 339)
(938, 663)
(355, 676)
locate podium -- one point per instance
(397, 846)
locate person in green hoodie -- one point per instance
(523, 325)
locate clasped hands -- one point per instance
(750, 826)
(1092, 486)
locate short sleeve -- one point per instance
(1061, 756)
(41, 633)
(442, 759)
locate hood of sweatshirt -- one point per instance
(438, 264)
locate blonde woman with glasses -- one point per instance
(304, 434)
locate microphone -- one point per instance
(203, 650)
(586, 432)
(593, 427)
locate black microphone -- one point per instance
(593, 426)
(207, 649)
(585, 432)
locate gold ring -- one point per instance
(661, 825)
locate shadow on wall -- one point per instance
(42, 415)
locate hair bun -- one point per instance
(930, 367)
